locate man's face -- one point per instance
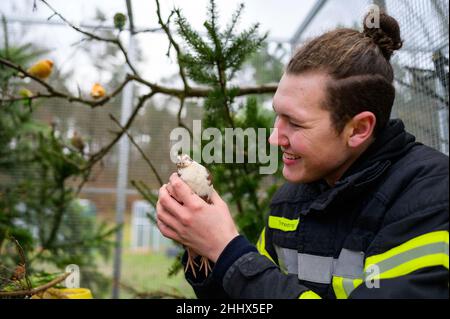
(311, 147)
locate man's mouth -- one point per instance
(290, 156)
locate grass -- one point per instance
(142, 272)
(146, 272)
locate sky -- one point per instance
(280, 21)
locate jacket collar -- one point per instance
(391, 144)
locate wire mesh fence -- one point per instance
(421, 69)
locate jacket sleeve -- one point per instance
(204, 287)
(256, 274)
(242, 272)
(409, 256)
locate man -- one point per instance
(364, 212)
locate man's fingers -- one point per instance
(167, 231)
(215, 198)
(166, 217)
(171, 191)
(181, 190)
(167, 201)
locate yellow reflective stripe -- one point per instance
(424, 251)
(338, 287)
(309, 295)
(343, 287)
(282, 223)
(261, 245)
(413, 265)
(430, 238)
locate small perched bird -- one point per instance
(19, 272)
(25, 92)
(78, 142)
(120, 20)
(98, 91)
(199, 179)
(41, 69)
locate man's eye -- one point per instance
(295, 125)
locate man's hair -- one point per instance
(359, 67)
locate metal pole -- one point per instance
(124, 149)
(442, 119)
(306, 22)
(381, 4)
(443, 130)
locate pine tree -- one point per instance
(38, 207)
(214, 61)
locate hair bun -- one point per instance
(386, 36)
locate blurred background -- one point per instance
(32, 29)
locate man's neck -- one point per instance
(332, 179)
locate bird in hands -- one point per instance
(199, 179)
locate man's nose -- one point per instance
(277, 138)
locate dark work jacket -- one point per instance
(380, 232)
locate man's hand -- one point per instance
(186, 218)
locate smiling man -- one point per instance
(364, 212)
(303, 125)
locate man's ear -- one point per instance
(360, 129)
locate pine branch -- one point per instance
(213, 31)
(192, 38)
(234, 21)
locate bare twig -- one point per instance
(53, 93)
(145, 191)
(95, 37)
(139, 149)
(180, 122)
(147, 30)
(204, 92)
(196, 92)
(100, 154)
(165, 27)
(94, 158)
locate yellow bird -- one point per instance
(25, 92)
(41, 69)
(98, 91)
